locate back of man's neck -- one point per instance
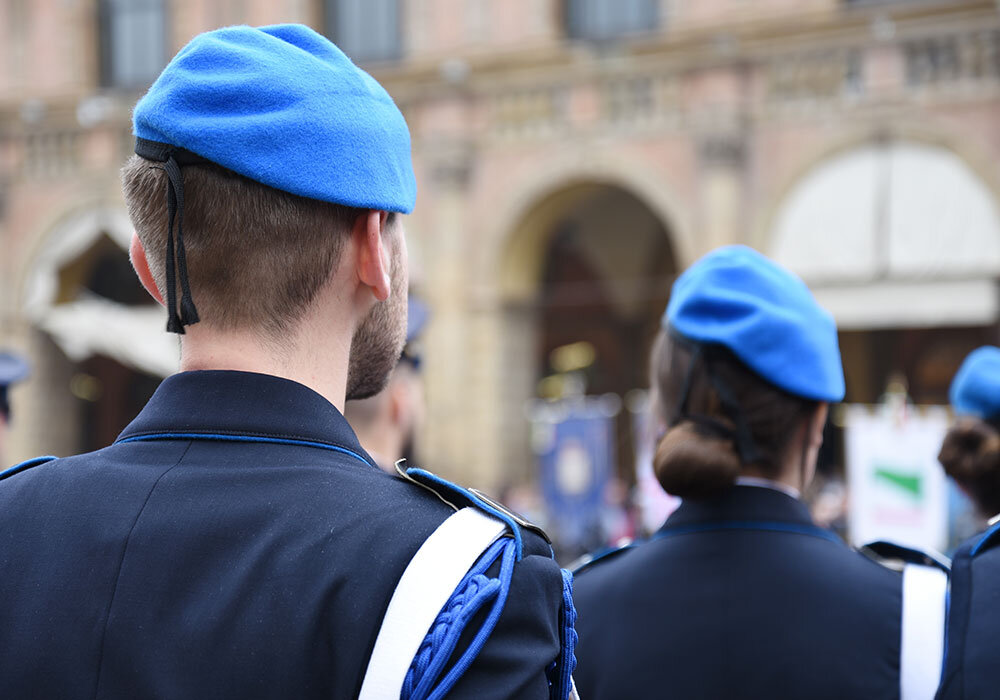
(321, 366)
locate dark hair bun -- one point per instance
(970, 454)
(970, 450)
(691, 464)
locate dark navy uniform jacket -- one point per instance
(972, 662)
(741, 596)
(235, 542)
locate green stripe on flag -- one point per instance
(905, 480)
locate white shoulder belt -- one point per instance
(423, 590)
(925, 590)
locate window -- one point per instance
(133, 38)
(603, 20)
(366, 30)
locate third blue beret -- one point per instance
(975, 390)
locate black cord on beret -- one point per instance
(741, 437)
(173, 158)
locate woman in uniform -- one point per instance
(740, 594)
(970, 455)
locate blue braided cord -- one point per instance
(438, 645)
(510, 556)
(566, 663)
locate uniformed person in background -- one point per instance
(970, 455)
(236, 541)
(740, 594)
(13, 369)
(386, 423)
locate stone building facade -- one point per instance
(572, 156)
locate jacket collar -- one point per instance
(741, 504)
(242, 404)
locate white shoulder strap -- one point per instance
(425, 586)
(925, 589)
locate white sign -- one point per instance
(898, 490)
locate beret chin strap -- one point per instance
(173, 158)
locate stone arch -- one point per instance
(969, 151)
(82, 327)
(508, 239)
(872, 225)
(629, 285)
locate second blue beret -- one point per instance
(765, 315)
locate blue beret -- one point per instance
(975, 390)
(283, 106)
(765, 315)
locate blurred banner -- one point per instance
(574, 441)
(898, 491)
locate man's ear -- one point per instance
(137, 254)
(373, 259)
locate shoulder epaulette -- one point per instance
(28, 464)
(459, 497)
(601, 555)
(895, 556)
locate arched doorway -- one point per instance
(900, 240)
(99, 347)
(605, 281)
(585, 277)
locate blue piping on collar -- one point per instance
(244, 438)
(985, 539)
(766, 525)
(587, 561)
(27, 464)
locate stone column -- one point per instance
(446, 437)
(721, 154)
(515, 386)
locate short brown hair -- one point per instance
(692, 462)
(256, 256)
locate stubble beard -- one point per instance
(378, 341)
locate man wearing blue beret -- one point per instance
(236, 541)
